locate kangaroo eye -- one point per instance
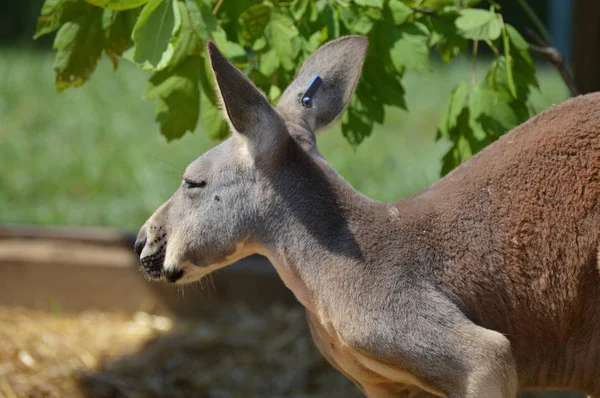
(193, 184)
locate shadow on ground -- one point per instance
(231, 351)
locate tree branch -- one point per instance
(535, 19)
(474, 64)
(217, 6)
(544, 49)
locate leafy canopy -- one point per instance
(268, 40)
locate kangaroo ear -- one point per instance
(247, 109)
(339, 63)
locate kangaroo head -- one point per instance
(233, 198)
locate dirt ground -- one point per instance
(228, 352)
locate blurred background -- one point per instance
(81, 171)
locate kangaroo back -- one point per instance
(522, 223)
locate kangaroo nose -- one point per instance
(139, 245)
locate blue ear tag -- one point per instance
(310, 91)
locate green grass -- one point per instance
(93, 156)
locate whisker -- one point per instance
(175, 167)
(201, 286)
(198, 288)
(212, 282)
(166, 171)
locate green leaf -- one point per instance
(356, 122)
(299, 8)
(117, 26)
(253, 21)
(214, 124)
(316, 8)
(203, 22)
(117, 5)
(185, 42)
(298, 44)
(55, 13)
(259, 44)
(433, 4)
(410, 50)
(444, 35)
(477, 24)
(206, 81)
(178, 95)
(437, 5)
(370, 3)
(497, 79)
(400, 11)
(79, 45)
(280, 32)
(233, 51)
(370, 100)
(387, 85)
(490, 116)
(316, 39)
(451, 47)
(329, 17)
(509, 64)
(355, 20)
(517, 40)
(268, 62)
(274, 93)
(374, 13)
(520, 53)
(460, 150)
(487, 116)
(456, 103)
(153, 32)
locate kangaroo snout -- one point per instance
(150, 245)
(173, 275)
(139, 245)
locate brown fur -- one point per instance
(522, 222)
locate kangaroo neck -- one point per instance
(320, 239)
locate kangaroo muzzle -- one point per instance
(151, 246)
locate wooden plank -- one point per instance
(75, 269)
(97, 236)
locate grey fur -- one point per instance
(339, 81)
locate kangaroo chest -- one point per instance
(373, 377)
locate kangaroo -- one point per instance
(483, 283)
